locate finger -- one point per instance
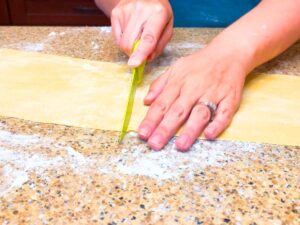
(116, 25)
(132, 31)
(172, 121)
(163, 41)
(156, 88)
(224, 114)
(194, 126)
(157, 111)
(152, 32)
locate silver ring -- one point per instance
(212, 108)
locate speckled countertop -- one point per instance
(53, 174)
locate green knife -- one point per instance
(137, 75)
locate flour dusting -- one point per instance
(17, 139)
(188, 45)
(171, 164)
(51, 34)
(16, 166)
(94, 45)
(22, 155)
(105, 29)
(38, 46)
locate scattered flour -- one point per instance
(51, 34)
(17, 139)
(94, 45)
(16, 163)
(33, 47)
(17, 160)
(105, 29)
(2, 125)
(188, 45)
(169, 50)
(171, 164)
(37, 46)
(16, 167)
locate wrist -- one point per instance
(238, 52)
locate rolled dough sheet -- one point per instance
(63, 90)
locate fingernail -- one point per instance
(144, 132)
(150, 96)
(134, 61)
(156, 142)
(182, 142)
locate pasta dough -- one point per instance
(62, 90)
(84, 93)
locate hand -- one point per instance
(175, 97)
(150, 20)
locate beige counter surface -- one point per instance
(54, 174)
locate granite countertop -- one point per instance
(54, 174)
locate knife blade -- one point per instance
(136, 79)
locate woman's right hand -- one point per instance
(149, 20)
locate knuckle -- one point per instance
(159, 8)
(115, 12)
(226, 113)
(203, 112)
(127, 7)
(160, 106)
(149, 38)
(179, 111)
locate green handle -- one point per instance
(137, 75)
(140, 69)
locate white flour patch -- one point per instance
(17, 161)
(94, 45)
(51, 34)
(170, 48)
(2, 125)
(16, 166)
(105, 29)
(171, 164)
(17, 139)
(78, 160)
(27, 46)
(188, 45)
(34, 46)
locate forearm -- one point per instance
(107, 5)
(262, 34)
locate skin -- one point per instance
(216, 73)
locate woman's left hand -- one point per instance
(177, 98)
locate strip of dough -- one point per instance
(84, 93)
(62, 90)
